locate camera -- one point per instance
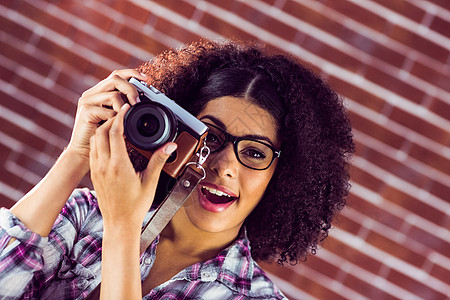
(157, 120)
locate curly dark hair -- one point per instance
(310, 183)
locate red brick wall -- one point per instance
(388, 58)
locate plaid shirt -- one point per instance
(66, 264)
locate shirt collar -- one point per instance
(233, 267)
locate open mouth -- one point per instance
(216, 196)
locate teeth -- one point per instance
(215, 192)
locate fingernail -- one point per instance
(138, 99)
(145, 75)
(124, 106)
(170, 148)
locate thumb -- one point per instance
(156, 163)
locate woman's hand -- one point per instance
(124, 195)
(98, 104)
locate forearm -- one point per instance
(39, 208)
(121, 278)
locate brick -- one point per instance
(353, 281)
(175, 31)
(54, 126)
(404, 8)
(40, 16)
(23, 136)
(442, 3)
(223, 28)
(440, 272)
(230, 5)
(412, 204)
(393, 83)
(138, 39)
(6, 74)
(100, 47)
(423, 154)
(419, 43)
(409, 284)
(11, 27)
(356, 93)
(129, 9)
(383, 216)
(440, 25)
(5, 176)
(63, 54)
(86, 182)
(401, 170)
(358, 14)
(266, 22)
(316, 19)
(71, 81)
(86, 13)
(387, 55)
(440, 190)
(400, 251)
(28, 60)
(439, 107)
(24, 109)
(366, 179)
(24, 187)
(181, 7)
(341, 58)
(98, 71)
(425, 128)
(134, 62)
(322, 266)
(6, 201)
(32, 165)
(431, 74)
(433, 242)
(352, 255)
(315, 288)
(44, 94)
(376, 131)
(347, 224)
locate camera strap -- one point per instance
(183, 188)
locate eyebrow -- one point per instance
(246, 136)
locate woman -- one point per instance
(275, 178)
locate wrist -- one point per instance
(78, 160)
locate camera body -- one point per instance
(157, 120)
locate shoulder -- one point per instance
(262, 286)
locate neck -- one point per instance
(189, 240)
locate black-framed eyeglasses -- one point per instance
(252, 153)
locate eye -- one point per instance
(212, 138)
(254, 154)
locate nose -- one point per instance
(224, 163)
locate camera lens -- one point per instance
(149, 125)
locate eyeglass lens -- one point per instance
(251, 153)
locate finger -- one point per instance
(114, 100)
(156, 163)
(115, 83)
(117, 142)
(128, 73)
(95, 114)
(93, 152)
(102, 140)
(118, 80)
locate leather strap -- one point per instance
(165, 211)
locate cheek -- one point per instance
(255, 184)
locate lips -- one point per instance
(214, 198)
